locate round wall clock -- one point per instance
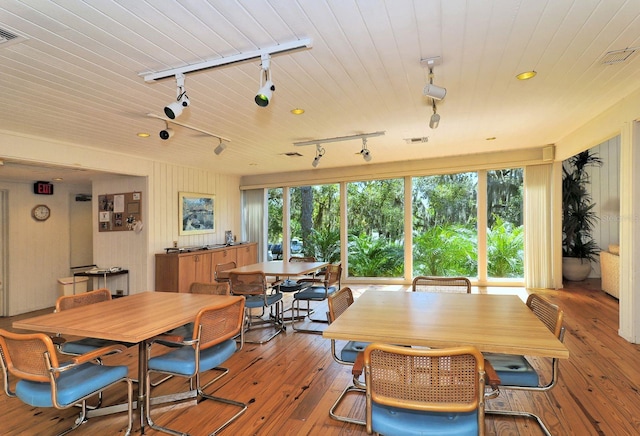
(41, 212)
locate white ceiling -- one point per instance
(75, 75)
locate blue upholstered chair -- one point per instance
(338, 302)
(83, 345)
(213, 342)
(516, 372)
(319, 289)
(45, 382)
(413, 391)
(261, 295)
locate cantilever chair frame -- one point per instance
(441, 284)
(434, 400)
(211, 328)
(338, 302)
(25, 366)
(552, 316)
(260, 289)
(332, 279)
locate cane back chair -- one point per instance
(441, 284)
(516, 372)
(43, 381)
(260, 295)
(213, 342)
(350, 353)
(319, 289)
(413, 391)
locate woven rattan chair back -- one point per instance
(219, 322)
(428, 380)
(333, 274)
(248, 283)
(302, 259)
(338, 302)
(23, 355)
(550, 314)
(221, 272)
(441, 284)
(221, 288)
(70, 301)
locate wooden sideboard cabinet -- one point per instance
(176, 271)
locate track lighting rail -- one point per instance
(228, 60)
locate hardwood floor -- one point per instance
(291, 382)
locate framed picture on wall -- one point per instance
(196, 213)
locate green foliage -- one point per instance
(505, 249)
(578, 216)
(379, 257)
(446, 250)
(324, 245)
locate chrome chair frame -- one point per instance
(212, 329)
(552, 316)
(338, 302)
(29, 370)
(257, 295)
(330, 283)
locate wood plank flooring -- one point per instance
(291, 382)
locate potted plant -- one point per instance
(579, 248)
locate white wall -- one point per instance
(38, 252)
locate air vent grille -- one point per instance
(6, 36)
(421, 139)
(618, 56)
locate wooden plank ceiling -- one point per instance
(74, 75)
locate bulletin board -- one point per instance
(119, 212)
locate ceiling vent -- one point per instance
(8, 38)
(421, 139)
(618, 56)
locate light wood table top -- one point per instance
(283, 268)
(132, 319)
(492, 323)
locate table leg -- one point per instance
(142, 383)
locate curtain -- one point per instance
(538, 262)
(254, 220)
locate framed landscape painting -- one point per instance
(196, 213)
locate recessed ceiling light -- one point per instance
(143, 135)
(297, 111)
(526, 75)
(57, 179)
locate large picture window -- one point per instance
(445, 236)
(375, 225)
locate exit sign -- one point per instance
(43, 188)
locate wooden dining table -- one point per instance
(134, 319)
(283, 268)
(491, 323)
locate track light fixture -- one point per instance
(319, 154)
(220, 148)
(174, 110)
(366, 154)
(435, 118)
(430, 90)
(263, 97)
(166, 133)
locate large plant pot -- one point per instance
(575, 268)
